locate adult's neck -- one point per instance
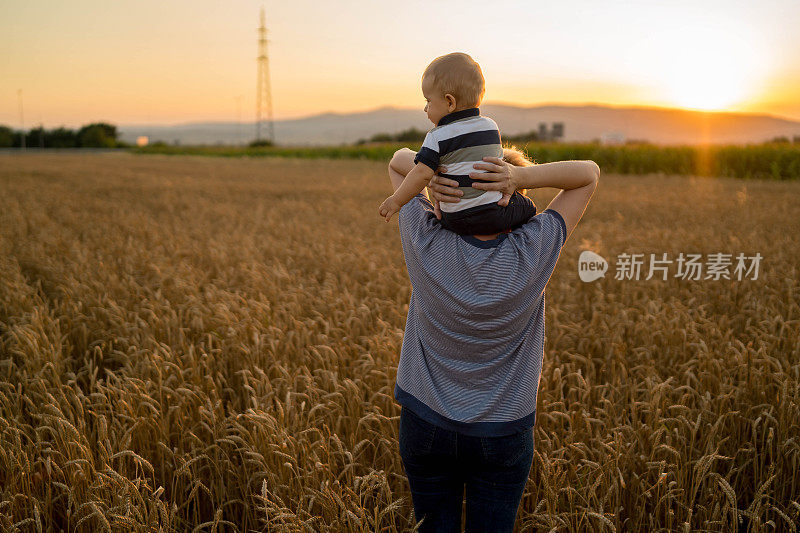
(491, 236)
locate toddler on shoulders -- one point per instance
(453, 87)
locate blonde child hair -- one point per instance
(457, 74)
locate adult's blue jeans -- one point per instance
(444, 467)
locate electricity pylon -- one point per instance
(263, 91)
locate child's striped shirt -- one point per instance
(459, 140)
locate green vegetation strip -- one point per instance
(777, 161)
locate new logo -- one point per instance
(591, 266)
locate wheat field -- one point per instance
(210, 344)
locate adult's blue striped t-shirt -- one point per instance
(473, 346)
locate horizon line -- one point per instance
(496, 103)
(487, 103)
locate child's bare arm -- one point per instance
(412, 185)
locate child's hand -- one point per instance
(389, 207)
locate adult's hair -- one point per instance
(517, 158)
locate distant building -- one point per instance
(555, 133)
(543, 131)
(142, 140)
(613, 137)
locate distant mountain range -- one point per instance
(581, 123)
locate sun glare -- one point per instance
(709, 76)
(701, 66)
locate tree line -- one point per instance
(413, 135)
(95, 135)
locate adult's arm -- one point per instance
(576, 179)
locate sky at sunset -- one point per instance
(147, 62)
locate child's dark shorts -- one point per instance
(490, 218)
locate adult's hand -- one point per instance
(502, 175)
(443, 190)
